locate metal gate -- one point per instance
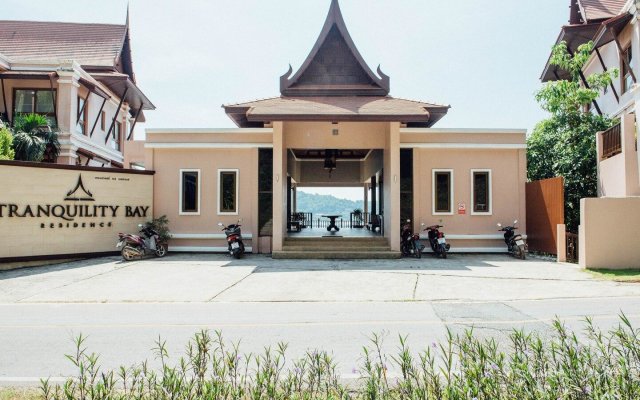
(545, 210)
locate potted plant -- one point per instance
(356, 218)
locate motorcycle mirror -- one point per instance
(422, 224)
(239, 220)
(220, 224)
(140, 225)
(499, 225)
(408, 220)
(515, 222)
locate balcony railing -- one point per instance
(611, 142)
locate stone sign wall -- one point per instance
(58, 211)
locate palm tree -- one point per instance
(33, 139)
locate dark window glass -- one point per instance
(82, 115)
(627, 79)
(265, 192)
(406, 184)
(24, 101)
(190, 192)
(27, 101)
(443, 192)
(228, 184)
(481, 192)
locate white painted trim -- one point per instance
(237, 172)
(85, 142)
(180, 212)
(208, 145)
(463, 130)
(472, 250)
(206, 236)
(490, 212)
(467, 146)
(497, 236)
(210, 131)
(433, 191)
(196, 249)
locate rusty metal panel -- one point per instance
(545, 210)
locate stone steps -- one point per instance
(336, 248)
(335, 255)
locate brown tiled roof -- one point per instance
(330, 108)
(601, 9)
(94, 45)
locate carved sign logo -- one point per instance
(79, 193)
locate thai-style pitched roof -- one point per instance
(574, 36)
(337, 108)
(93, 46)
(335, 84)
(589, 20)
(593, 10)
(334, 67)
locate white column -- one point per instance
(66, 112)
(279, 186)
(391, 186)
(366, 198)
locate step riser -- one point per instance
(335, 256)
(341, 249)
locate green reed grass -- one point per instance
(600, 365)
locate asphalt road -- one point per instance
(324, 305)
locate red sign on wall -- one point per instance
(462, 208)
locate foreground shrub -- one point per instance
(6, 143)
(605, 366)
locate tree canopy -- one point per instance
(565, 143)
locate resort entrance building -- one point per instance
(335, 124)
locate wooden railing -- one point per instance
(572, 247)
(611, 142)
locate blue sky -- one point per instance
(482, 57)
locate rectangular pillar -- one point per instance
(391, 186)
(279, 186)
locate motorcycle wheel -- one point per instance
(416, 250)
(443, 252)
(520, 253)
(128, 254)
(161, 250)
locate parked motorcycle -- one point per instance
(134, 246)
(515, 242)
(437, 240)
(234, 239)
(409, 242)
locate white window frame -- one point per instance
(451, 191)
(182, 171)
(489, 212)
(219, 189)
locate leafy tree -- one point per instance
(565, 143)
(6, 143)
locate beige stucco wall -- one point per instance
(201, 232)
(618, 175)
(609, 233)
(508, 177)
(502, 151)
(30, 236)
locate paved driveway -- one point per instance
(216, 278)
(333, 305)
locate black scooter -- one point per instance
(437, 240)
(515, 242)
(409, 243)
(234, 239)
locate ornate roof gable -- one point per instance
(334, 67)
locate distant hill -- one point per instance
(319, 204)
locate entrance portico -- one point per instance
(335, 124)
